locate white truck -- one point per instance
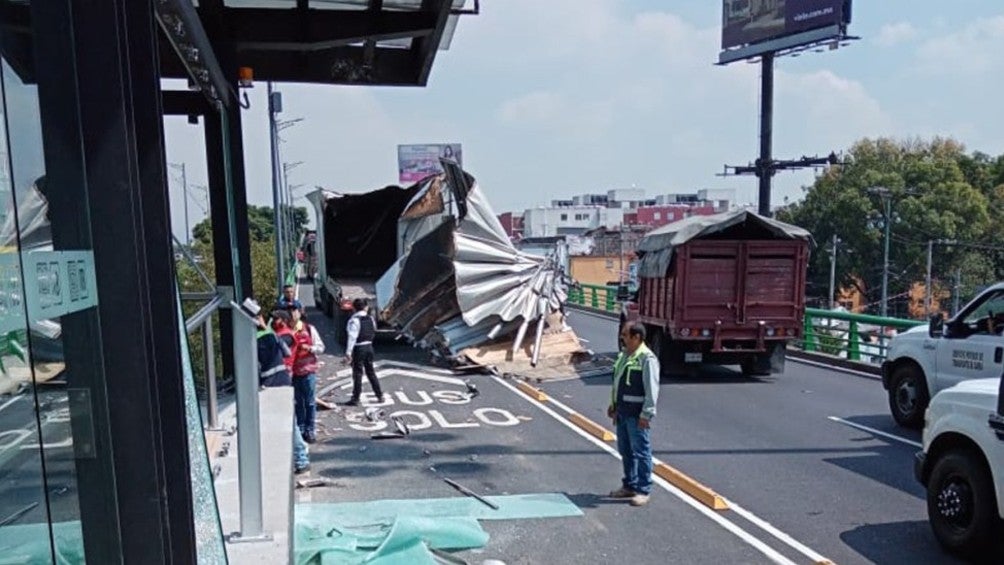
(962, 467)
(927, 359)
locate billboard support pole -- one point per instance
(765, 164)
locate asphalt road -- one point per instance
(772, 445)
(803, 483)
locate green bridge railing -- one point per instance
(855, 337)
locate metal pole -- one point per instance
(184, 185)
(958, 291)
(833, 273)
(276, 215)
(212, 402)
(885, 262)
(927, 280)
(765, 167)
(248, 428)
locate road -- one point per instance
(803, 483)
(773, 446)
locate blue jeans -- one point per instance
(303, 399)
(300, 459)
(636, 454)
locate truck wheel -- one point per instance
(908, 396)
(961, 504)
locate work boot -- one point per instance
(639, 500)
(352, 402)
(622, 492)
(301, 470)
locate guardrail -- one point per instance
(855, 337)
(598, 297)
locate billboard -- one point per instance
(415, 162)
(753, 21)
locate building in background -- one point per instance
(621, 207)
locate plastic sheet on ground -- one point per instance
(391, 532)
(405, 540)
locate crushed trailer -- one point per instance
(461, 290)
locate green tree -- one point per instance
(933, 197)
(261, 224)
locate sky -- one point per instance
(564, 97)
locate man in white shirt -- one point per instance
(359, 351)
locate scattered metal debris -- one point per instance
(445, 557)
(375, 413)
(468, 492)
(312, 483)
(16, 515)
(472, 390)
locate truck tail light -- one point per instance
(770, 332)
(685, 332)
(791, 332)
(705, 332)
(347, 305)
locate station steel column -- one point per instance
(99, 93)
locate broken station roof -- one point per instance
(373, 42)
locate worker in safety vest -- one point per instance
(632, 406)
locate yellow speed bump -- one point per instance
(532, 391)
(591, 427)
(699, 492)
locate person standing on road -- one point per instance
(288, 301)
(308, 346)
(359, 351)
(632, 406)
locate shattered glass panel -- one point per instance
(208, 530)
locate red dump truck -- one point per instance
(727, 289)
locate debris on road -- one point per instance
(468, 492)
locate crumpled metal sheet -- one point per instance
(656, 248)
(459, 277)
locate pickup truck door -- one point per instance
(976, 350)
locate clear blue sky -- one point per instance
(557, 98)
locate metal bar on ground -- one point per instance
(470, 493)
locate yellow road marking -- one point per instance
(591, 426)
(699, 492)
(532, 391)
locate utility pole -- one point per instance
(765, 168)
(957, 291)
(275, 107)
(833, 272)
(885, 261)
(927, 280)
(184, 188)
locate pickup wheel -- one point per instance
(961, 504)
(908, 396)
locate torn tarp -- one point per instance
(656, 248)
(459, 282)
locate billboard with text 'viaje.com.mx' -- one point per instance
(752, 21)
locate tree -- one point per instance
(261, 224)
(933, 197)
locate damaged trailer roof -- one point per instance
(457, 264)
(656, 248)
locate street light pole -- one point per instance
(833, 272)
(885, 261)
(274, 107)
(184, 196)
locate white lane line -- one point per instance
(820, 365)
(9, 402)
(877, 432)
(769, 528)
(742, 534)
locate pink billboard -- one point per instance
(415, 162)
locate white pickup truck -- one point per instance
(927, 359)
(962, 467)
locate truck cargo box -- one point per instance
(723, 289)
